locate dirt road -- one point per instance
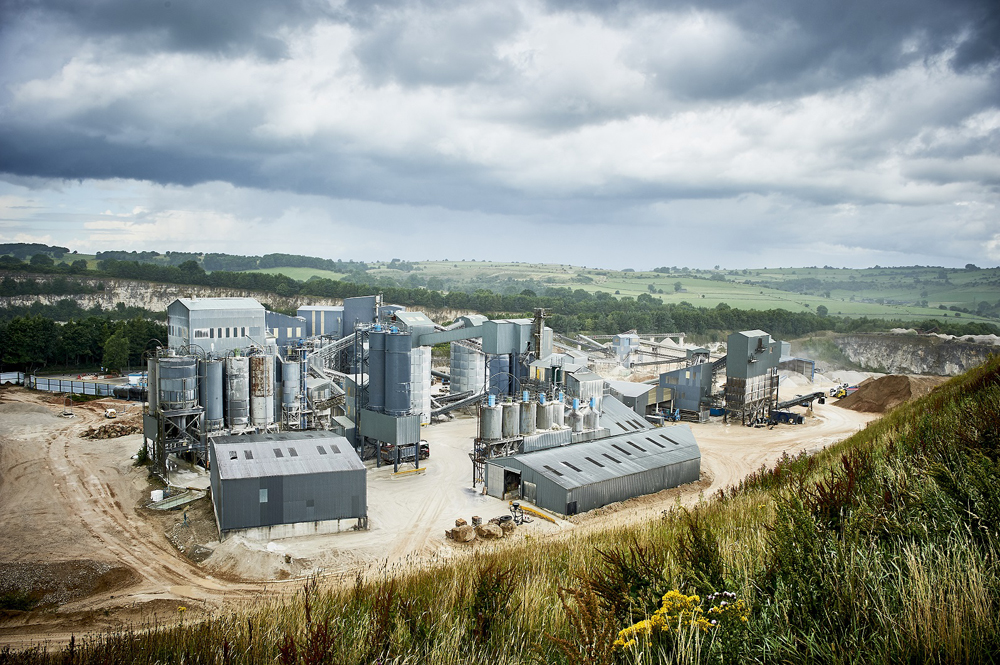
(69, 501)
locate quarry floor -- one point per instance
(76, 534)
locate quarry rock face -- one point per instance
(913, 354)
(155, 296)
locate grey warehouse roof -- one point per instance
(619, 419)
(219, 303)
(630, 388)
(299, 453)
(583, 464)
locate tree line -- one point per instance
(35, 341)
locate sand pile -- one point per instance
(880, 395)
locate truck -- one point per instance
(388, 452)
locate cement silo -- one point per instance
(177, 379)
(211, 393)
(397, 374)
(376, 369)
(420, 383)
(237, 399)
(261, 390)
(527, 415)
(153, 383)
(499, 379)
(467, 368)
(291, 392)
(511, 419)
(543, 415)
(490, 421)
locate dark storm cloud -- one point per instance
(796, 47)
(437, 49)
(216, 26)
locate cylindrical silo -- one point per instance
(490, 428)
(261, 390)
(211, 393)
(543, 417)
(576, 421)
(589, 418)
(467, 368)
(178, 383)
(397, 374)
(290, 386)
(153, 384)
(511, 419)
(237, 398)
(376, 370)
(558, 419)
(528, 417)
(420, 383)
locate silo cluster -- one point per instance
(389, 372)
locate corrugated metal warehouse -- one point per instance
(286, 484)
(217, 325)
(580, 477)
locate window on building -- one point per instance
(636, 446)
(233, 455)
(687, 374)
(335, 448)
(298, 332)
(321, 450)
(593, 461)
(263, 496)
(620, 449)
(248, 454)
(310, 503)
(611, 458)
(289, 332)
(211, 333)
(220, 333)
(575, 468)
(227, 331)
(293, 452)
(243, 331)
(277, 452)
(558, 473)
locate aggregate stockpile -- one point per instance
(881, 395)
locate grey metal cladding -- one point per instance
(681, 449)
(620, 419)
(390, 429)
(264, 462)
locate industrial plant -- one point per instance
(289, 413)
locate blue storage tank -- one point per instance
(397, 374)
(376, 370)
(499, 381)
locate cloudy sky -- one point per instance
(634, 134)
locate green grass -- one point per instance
(301, 274)
(880, 549)
(892, 293)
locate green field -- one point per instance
(301, 274)
(897, 293)
(904, 293)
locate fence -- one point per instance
(16, 378)
(70, 386)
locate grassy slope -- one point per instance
(882, 548)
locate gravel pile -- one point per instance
(111, 431)
(49, 584)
